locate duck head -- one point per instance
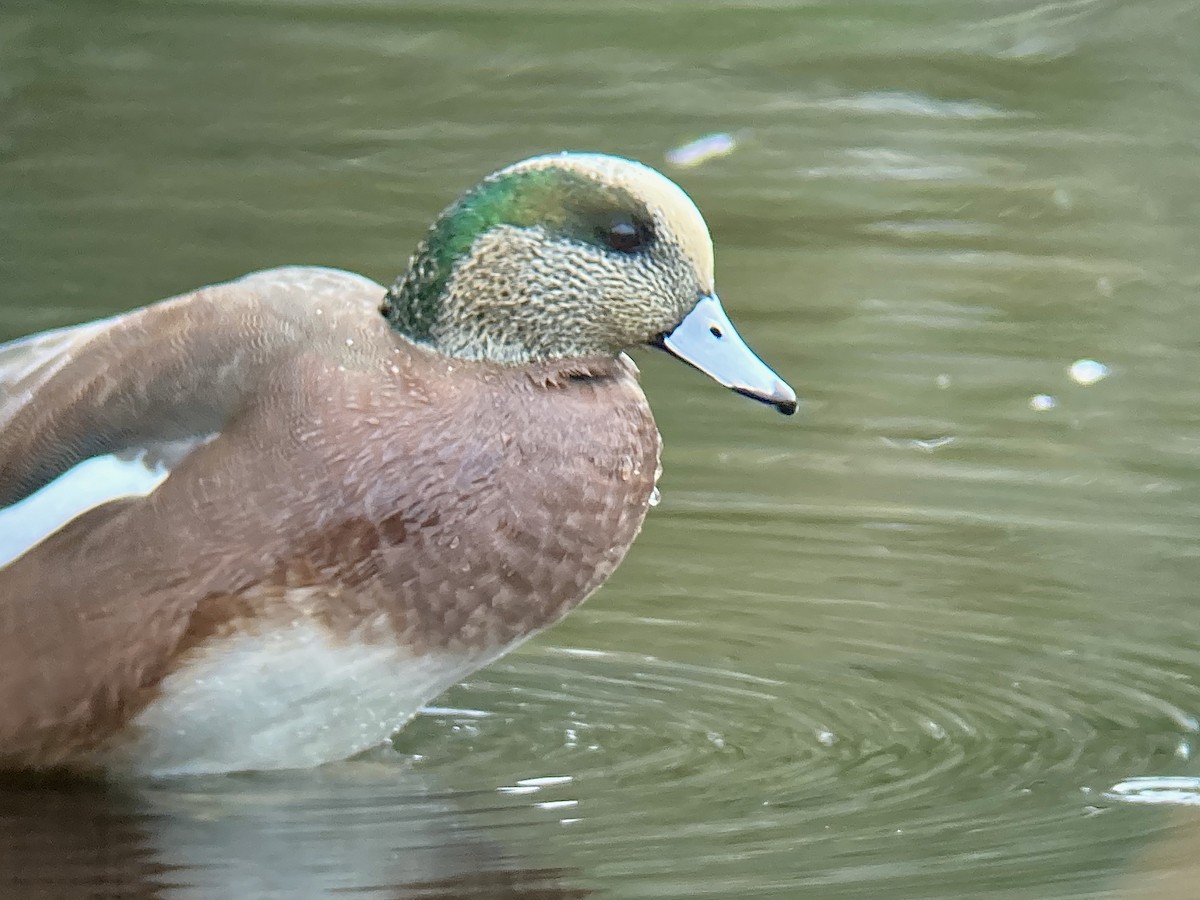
(570, 255)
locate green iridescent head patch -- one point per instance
(563, 203)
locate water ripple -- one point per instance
(968, 759)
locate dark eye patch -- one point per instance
(626, 234)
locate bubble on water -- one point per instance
(1157, 790)
(826, 738)
(943, 381)
(557, 804)
(516, 789)
(927, 445)
(930, 444)
(1042, 402)
(701, 150)
(655, 497)
(1087, 371)
(933, 729)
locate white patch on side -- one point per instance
(130, 473)
(92, 482)
(293, 697)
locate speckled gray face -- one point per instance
(566, 256)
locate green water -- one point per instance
(903, 646)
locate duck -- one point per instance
(261, 524)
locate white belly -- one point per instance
(294, 697)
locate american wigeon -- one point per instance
(371, 493)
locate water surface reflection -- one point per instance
(259, 835)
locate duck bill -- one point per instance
(707, 340)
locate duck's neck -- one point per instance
(440, 308)
(431, 302)
(417, 310)
(413, 303)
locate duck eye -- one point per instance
(628, 235)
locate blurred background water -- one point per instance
(936, 638)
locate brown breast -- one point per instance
(470, 504)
